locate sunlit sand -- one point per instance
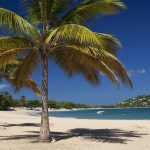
(19, 131)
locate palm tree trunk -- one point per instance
(45, 130)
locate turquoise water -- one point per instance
(129, 113)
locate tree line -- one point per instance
(7, 102)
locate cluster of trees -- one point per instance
(7, 101)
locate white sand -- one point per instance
(19, 131)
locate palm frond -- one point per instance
(21, 83)
(72, 61)
(47, 10)
(7, 56)
(8, 43)
(7, 73)
(89, 9)
(9, 65)
(28, 65)
(109, 42)
(114, 64)
(77, 35)
(11, 47)
(14, 22)
(76, 60)
(9, 68)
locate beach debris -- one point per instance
(53, 140)
(3, 128)
(3, 125)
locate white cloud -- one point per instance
(142, 71)
(2, 86)
(136, 72)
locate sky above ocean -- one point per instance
(132, 28)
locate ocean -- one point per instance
(112, 114)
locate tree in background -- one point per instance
(33, 103)
(22, 101)
(55, 31)
(5, 101)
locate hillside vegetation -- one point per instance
(139, 101)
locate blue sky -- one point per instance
(132, 28)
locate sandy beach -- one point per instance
(19, 130)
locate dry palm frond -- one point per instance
(28, 65)
(75, 60)
(27, 83)
(7, 73)
(7, 56)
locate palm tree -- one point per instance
(55, 31)
(22, 101)
(7, 73)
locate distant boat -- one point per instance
(100, 112)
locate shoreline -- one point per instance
(35, 113)
(38, 114)
(74, 109)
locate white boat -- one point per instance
(100, 112)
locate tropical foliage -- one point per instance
(7, 72)
(54, 31)
(7, 102)
(139, 101)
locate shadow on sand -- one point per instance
(100, 135)
(22, 125)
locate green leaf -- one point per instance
(15, 23)
(109, 43)
(77, 35)
(47, 10)
(9, 43)
(89, 9)
(12, 47)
